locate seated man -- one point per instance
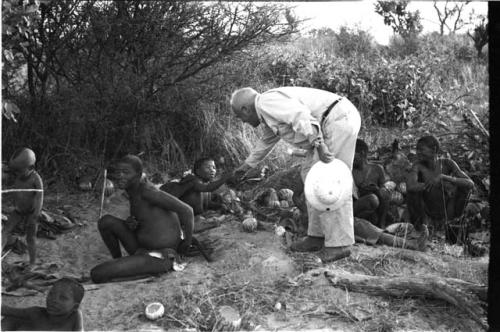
(196, 189)
(437, 189)
(62, 312)
(371, 198)
(399, 235)
(151, 235)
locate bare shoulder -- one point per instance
(148, 189)
(36, 178)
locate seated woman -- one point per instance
(151, 235)
(437, 190)
(196, 189)
(371, 198)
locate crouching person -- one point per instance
(437, 190)
(159, 226)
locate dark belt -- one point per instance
(332, 105)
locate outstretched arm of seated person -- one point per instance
(457, 176)
(199, 186)
(171, 203)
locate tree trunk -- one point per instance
(464, 295)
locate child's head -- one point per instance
(127, 169)
(64, 297)
(361, 152)
(427, 147)
(205, 168)
(22, 161)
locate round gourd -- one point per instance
(285, 194)
(250, 224)
(154, 310)
(397, 197)
(390, 185)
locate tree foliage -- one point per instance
(404, 22)
(107, 76)
(450, 16)
(479, 35)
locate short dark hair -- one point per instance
(134, 161)
(429, 141)
(199, 162)
(76, 287)
(361, 146)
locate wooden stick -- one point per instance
(480, 124)
(5, 255)
(5, 191)
(102, 193)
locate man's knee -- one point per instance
(107, 222)
(373, 201)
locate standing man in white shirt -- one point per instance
(324, 124)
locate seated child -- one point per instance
(27, 205)
(196, 189)
(151, 235)
(61, 313)
(400, 235)
(437, 189)
(371, 198)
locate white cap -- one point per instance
(328, 185)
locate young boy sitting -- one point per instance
(196, 189)
(371, 199)
(437, 189)
(152, 233)
(61, 313)
(27, 204)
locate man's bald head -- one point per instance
(242, 97)
(243, 105)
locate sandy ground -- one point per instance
(251, 272)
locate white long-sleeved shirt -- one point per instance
(289, 113)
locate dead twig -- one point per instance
(483, 129)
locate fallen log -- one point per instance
(464, 295)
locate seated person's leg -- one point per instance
(130, 266)
(456, 229)
(384, 197)
(365, 206)
(416, 209)
(456, 204)
(113, 231)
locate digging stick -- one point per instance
(102, 193)
(5, 191)
(485, 132)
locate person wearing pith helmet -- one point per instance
(324, 124)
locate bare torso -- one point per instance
(25, 202)
(370, 175)
(158, 228)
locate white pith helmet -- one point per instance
(327, 185)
